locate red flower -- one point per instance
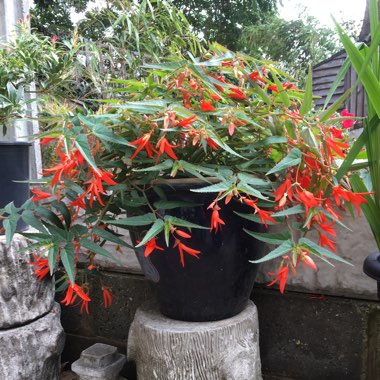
(273, 88)
(212, 144)
(54, 39)
(46, 140)
(143, 143)
(216, 221)
(164, 146)
(255, 76)
(237, 94)
(307, 260)
(182, 234)
(324, 241)
(282, 276)
(74, 291)
(186, 122)
(265, 216)
(184, 248)
(206, 106)
(150, 246)
(107, 297)
(349, 122)
(42, 267)
(284, 192)
(308, 200)
(84, 305)
(336, 146)
(337, 133)
(39, 194)
(96, 186)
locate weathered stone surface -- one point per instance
(100, 361)
(353, 245)
(32, 352)
(22, 297)
(166, 349)
(304, 336)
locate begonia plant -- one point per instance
(237, 126)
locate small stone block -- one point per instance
(100, 361)
(98, 355)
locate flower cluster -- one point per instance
(238, 126)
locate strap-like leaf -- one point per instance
(68, 261)
(270, 238)
(284, 248)
(141, 220)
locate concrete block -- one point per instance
(100, 361)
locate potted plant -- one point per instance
(202, 159)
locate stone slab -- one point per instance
(22, 297)
(163, 348)
(32, 351)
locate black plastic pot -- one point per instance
(218, 284)
(14, 166)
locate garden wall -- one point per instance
(325, 326)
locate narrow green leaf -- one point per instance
(252, 218)
(319, 251)
(10, 225)
(156, 228)
(95, 248)
(270, 238)
(29, 218)
(285, 247)
(298, 209)
(281, 91)
(68, 261)
(52, 258)
(167, 164)
(50, 216)
(326, 114)
(110, 236)
(62, 208)
(292, 159)
(308, 97)
(82, 144)
(215, 188)
(247, 189)
(182, 223)
(141, 220)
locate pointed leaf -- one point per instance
(292, 159)
(156, 228)
(82, 144)
(308, 97)
(270, 238)
(109, 236)
(95, 248)
(68, 261)
(141, 220)
(284, 248)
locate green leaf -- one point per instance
(319, 251)
(215, 188)
(168, 205)
(281, 91)
(182, 223)
(325, 115)
(95, 248)
(52, 258)
(82, 144)
(110, 236)
(253, 180)
(251, 191)
(68, 261)
(29, 218)
(50, 216)
(167, 164)
(141, 220)
(270, 238)
(292, 159)
(101, 131)
(298, 209)
(252, 218)
(284, 248)
(156, 228)
(308, 97)
(62, 208)
(270, 141)
(10, 225)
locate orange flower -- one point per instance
(107, 297)
(143, 143)
(207, 106)
(281, 276)
(74, 291)
(216, 221)
(84, 305)
(164, 146)
(42, 267)
(184, 248)
(150, 246)
(39, 194)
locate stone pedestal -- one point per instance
(166, 349)
(32, 352)
(31, 335)
(99, 362)
(22, 297)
